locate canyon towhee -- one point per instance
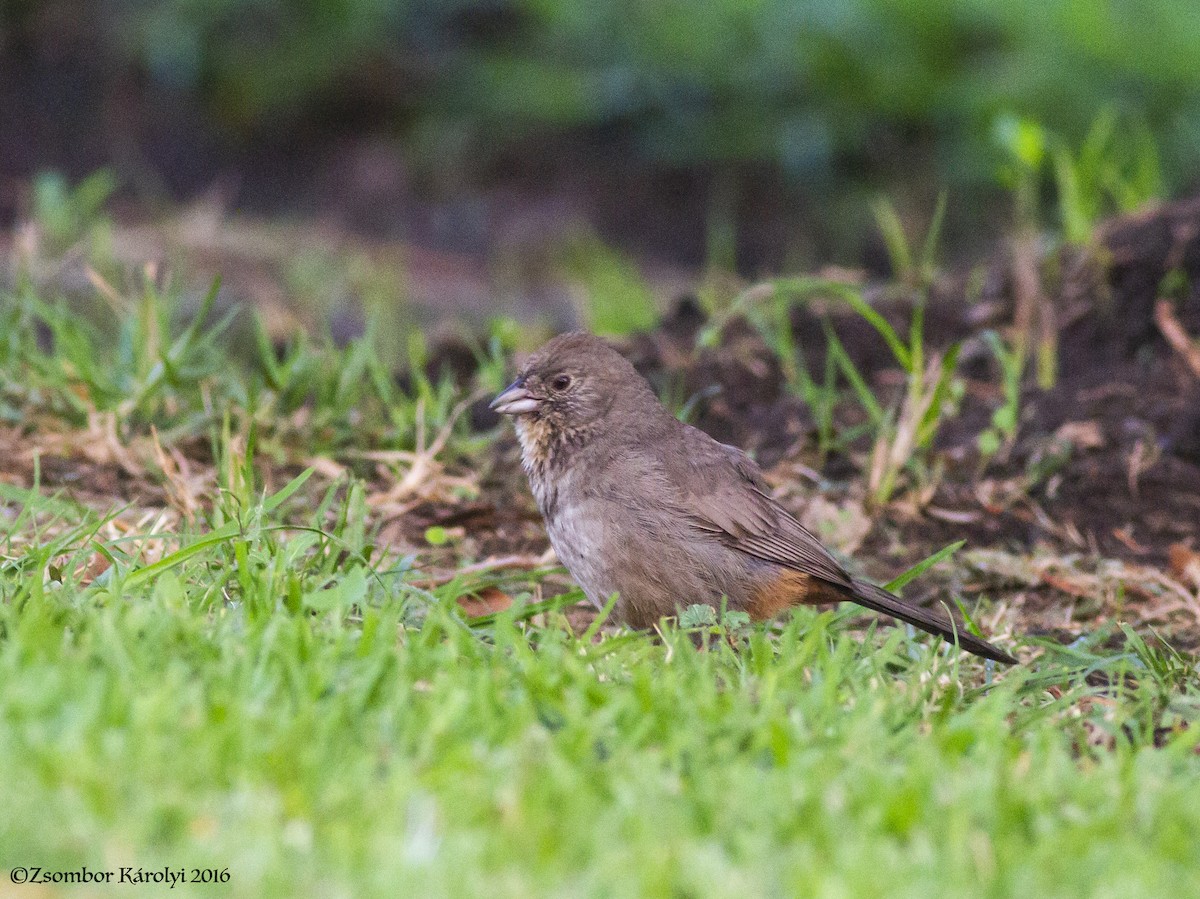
(640, 504)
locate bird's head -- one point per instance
(572, 385)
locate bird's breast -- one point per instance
(587, 543)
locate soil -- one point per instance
(1106, 464)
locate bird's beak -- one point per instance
(515, 400)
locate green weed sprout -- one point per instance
(1002, 432)
(903, 436)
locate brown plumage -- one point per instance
(639, 504)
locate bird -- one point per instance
(642, 505)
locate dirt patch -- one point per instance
(1105, 465)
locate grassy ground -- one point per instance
(219, 652)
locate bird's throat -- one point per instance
(536, 438)
(546, 447)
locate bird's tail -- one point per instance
(880, 600)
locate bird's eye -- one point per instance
(561, 382)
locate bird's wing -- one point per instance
(723, 492)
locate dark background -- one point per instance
(747, 134)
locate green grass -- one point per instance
(320, 729)
(271, 691)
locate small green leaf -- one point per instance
(1023, 139)
(348, 591)
(988, 443)
(695, 616)
(736, 620)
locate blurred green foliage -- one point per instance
(803, 87)
(67, 215)
(611, 295)
(1116, 168)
